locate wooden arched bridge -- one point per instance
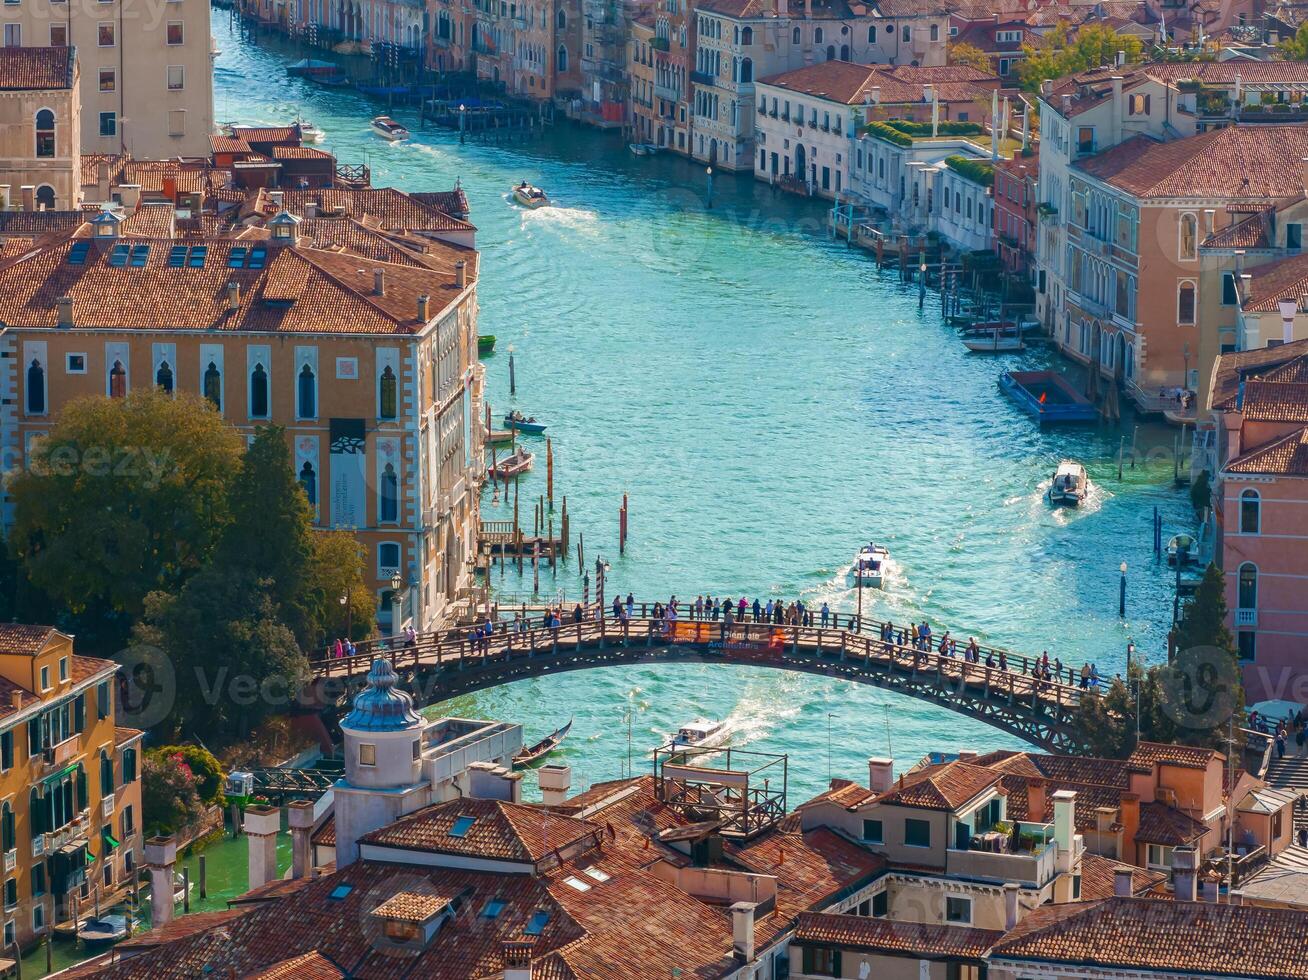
(437, 666)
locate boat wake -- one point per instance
(1038, 502)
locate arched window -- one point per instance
(1250, 512)
(117, 380)
(562, 20)
(129, 765)
(309, 480)
(35, 388)
(106, 774)
(213, 385)
(794, 36)
(1248, 590)
(872, 34)
(747, 35)
(390, 495)
(561, 59)
(817, 35)
(45, 198)
(844, 52)
(1189, 235)
(258, 392)
(831, 52)
(308, 409)
(935, 32)
(36, 809)
(388, 393)
(45, 133)
(1185, 303)
(163, 378)
(7, 827)
(746, 70)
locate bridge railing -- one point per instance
(461, 648)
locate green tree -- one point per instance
(169, 799)
(1201, 493)
(206, 771)
(962, 53)
(124, 496)
(1203, 617)
(1060, 54)
(336, 571)
(1296, 48)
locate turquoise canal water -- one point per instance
(769, 401)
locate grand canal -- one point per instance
(769, 401)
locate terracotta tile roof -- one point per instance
(150, 221)
(1089, 798)
(24, 640)
(1235, 162)
(300, 153)
(1149, 754)
(1233, 368)
(842, 792)
(1274, 281)
(267, 134)
(1097, 878)
(411, 907)
(453, 202)
(1250, 232)
(7, 691)
(307, 966)
(84, 668)
(851, 84)
(274, 890)
(553, 967)
(1161, 824)
(1271, 401)
(222, 143)
(1094, 86)
(1169, 937)
(298, 289)
(834, 81)
(1287, 456)
(394, 210)
(915, 939)
(941, 787)
(124, 735)
(498, 830)
(325, 835)
(32, 223)
(182, 927)
(37, 69)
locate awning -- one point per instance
(55, 777)
(108, 837)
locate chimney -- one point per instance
(517, 960)
(1121, 58)
(1047, 87)
(1067, 104)
(5, 199)
(1119, 110)
(742, 931)
(299, 816)
(29, 197)
(926, 92)
(1235, 897)
(424, 307)
(461, 274)
(1011, 890)
(1065, 825)
(161, 858)
(1035, 800)
(555, 781)
(1128, 815)
(875, 91)
(276, 197)
(102, 181)
(65, 305)
(379, 282)
(808, 9)
(880, 774)
(130, 194)
(261, 826)
(311, 209)
(1289, 308)
(16, 698)
(1185, 873)
(233, 296)
(1210, 890)
(1123, 876)
(1210, 219)
(487, 781)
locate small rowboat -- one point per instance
(497, 437)
(1182, 549)
(513, 465)
(996, 341)
(642, 149)
(516, 420)
(532, 754)
(485, 343)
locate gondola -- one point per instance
(534, 753)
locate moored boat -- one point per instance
(388, 129)
(999, 340)
(311, 67)
(1047, 396)
(869, 568)
(532, 754)
(642, 149)
(512, 465)
(102, 929)
(1070, 484)
(530, 197)
(485, 343)
(498, 436)
(516, 420)
(1182, 549)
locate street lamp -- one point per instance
(1121, 593)
(349, 614)
(397, 603)
(1130, 653)
(709, 172)
(463, 121)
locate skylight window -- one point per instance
(536, 924)
(575, 882)
(236, 258)
(257, 257)
(77, 254)
(197, 256)
(118, 257)
(597, 874)
(340, 891)
(493, 908)
(462, 826)
(139, 255)
(177, 256)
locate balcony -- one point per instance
(703, 78)
(659, 43)
(1029, 859)
(666, 93)
(1246, 617)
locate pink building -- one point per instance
(1260, 399)
(1015, 212)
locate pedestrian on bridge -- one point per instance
(577, 613)
(631, 606)
(699, 607)
(740, 609)
(338, 649)
(767, 612)
(758, 609)
(826, 614)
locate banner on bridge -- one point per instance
(760, 640)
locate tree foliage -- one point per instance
(962, 53)
(123, 497)
(1295, 48)
(170, 801)
(336, 572)
(206, 771)
(1060, 54)
(1203, 617)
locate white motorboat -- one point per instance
(529, 196)
(869, 568)
(388, 129)
(702, 735)
(996, 340)
(1183, 549)
(1070, 484)
(309, 133)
